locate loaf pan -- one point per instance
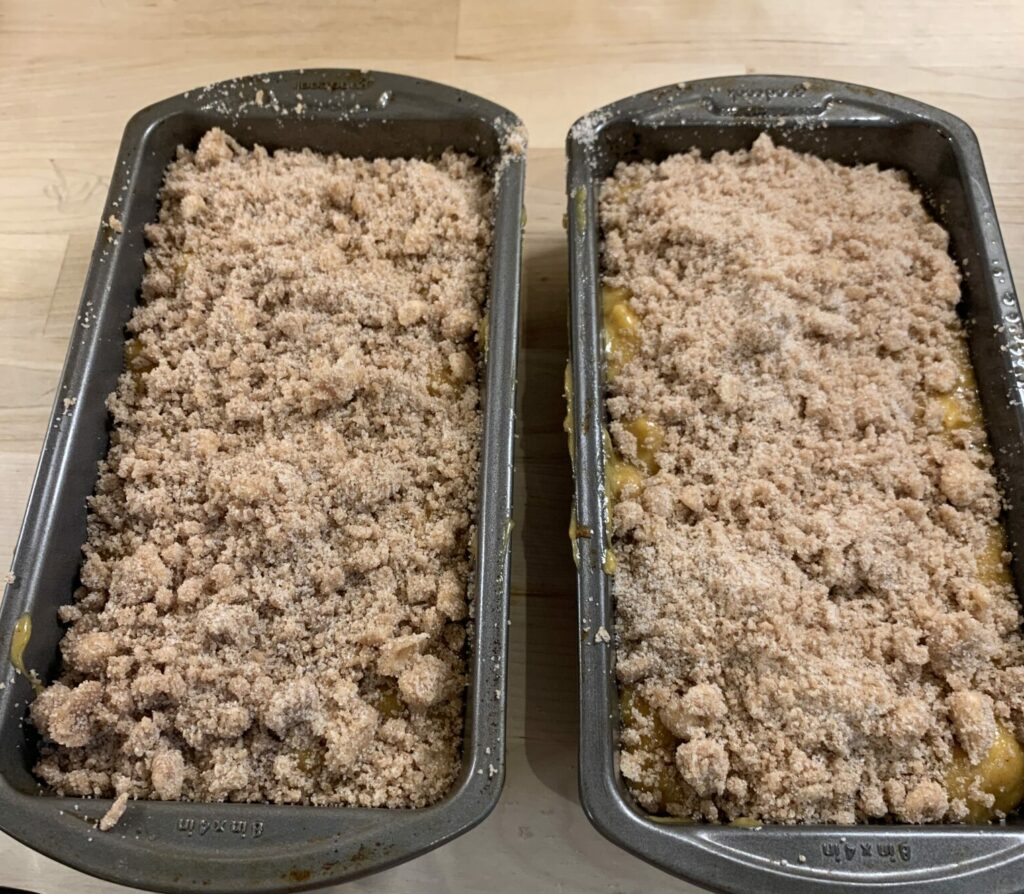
(183, 847)
(852, 125)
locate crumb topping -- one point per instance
(274, 592)
(814, 610)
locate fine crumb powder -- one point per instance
(805, 620)
(274, 596)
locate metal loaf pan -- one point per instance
(851, 125)
(184, 847)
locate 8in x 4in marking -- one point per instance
(241, 828)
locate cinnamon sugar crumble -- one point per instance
(274, 593)
(815, 620)
(113, 816)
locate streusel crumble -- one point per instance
(815, 617)
(274, 595)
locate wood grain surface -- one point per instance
(72, 73)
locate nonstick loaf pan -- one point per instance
(852, 125)
(177, 846)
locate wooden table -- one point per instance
(70, 76)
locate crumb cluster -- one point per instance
(274, 598)
(810, 622)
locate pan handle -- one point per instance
(903, 858)
(818, 859)
(782, 100)
(783, 97)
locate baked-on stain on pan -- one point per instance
(851, 125)
(181, 846)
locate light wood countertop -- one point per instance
(71, 74)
